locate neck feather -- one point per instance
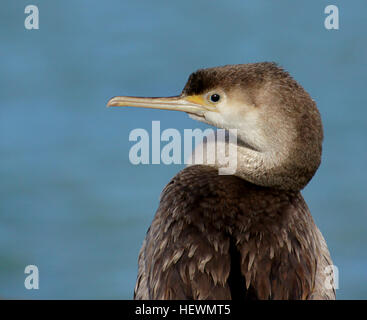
(272, 168)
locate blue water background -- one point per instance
(70, 200)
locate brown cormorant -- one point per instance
(249, 235)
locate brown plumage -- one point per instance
(204, 217)
(249, 235)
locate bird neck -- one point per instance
(232, 155)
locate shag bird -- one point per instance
(249, 235)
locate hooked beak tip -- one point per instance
(112, 103)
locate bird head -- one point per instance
(272, 113)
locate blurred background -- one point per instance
(71, 202)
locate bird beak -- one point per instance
(190, 104)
